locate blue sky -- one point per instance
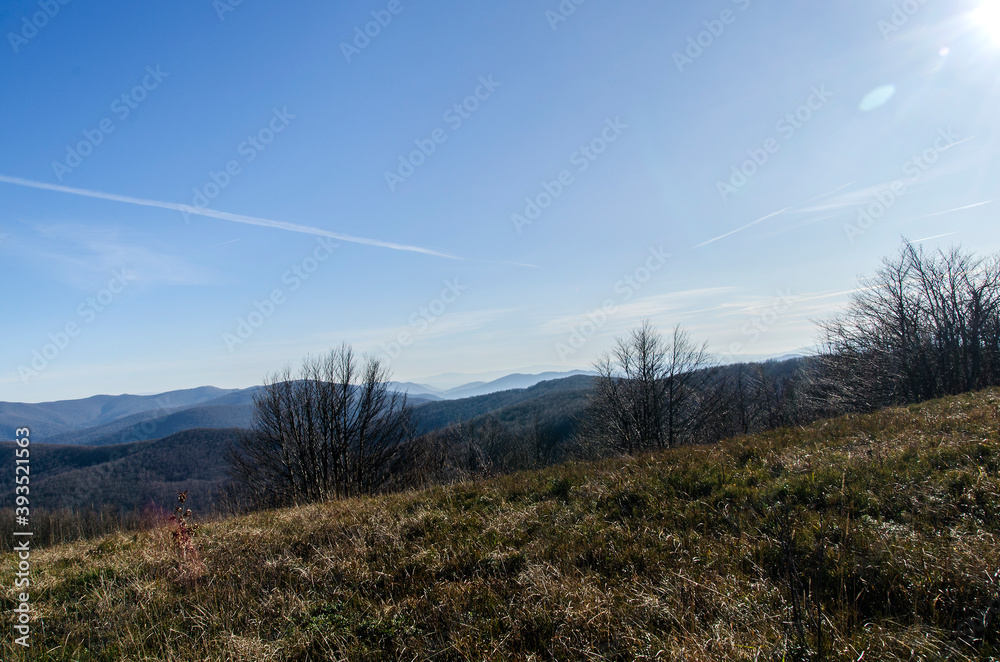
(589, 176)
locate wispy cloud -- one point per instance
(851, 199)
(650, 306)
(829, 193)
(793, 208)
(673, 302)
(863, 196)
(447, 325)
(223, 216)
(464, 322)
(828, 203)
(96, 253)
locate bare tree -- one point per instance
(924, 326)
(650, 392)
(685, 382)
(337, 430)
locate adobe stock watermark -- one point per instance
(223, 7)
(22, 535)
(581, 160)
(381, 19)
(562, 13)
(32, 25)
(87, 312)
(701, 42)
(787, 127)
(764, 322)
(625, 288)
(422, 319)
(293, 278)
(249, 150)
(122, 107)
(914, 170)
(454, 117)
(900, 16)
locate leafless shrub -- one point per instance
(336, 431)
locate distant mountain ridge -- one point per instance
(107, 419)
(106, 465)
(142, 427)
(514, 407)
(146, 457)
(47, 419)
(474, 388)
(515, 381)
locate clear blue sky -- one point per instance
(102, 239)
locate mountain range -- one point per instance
(129, 451)
(132, 451)
(106, 420)
(474, 388)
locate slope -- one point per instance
(871, 537)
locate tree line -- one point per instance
(923, 326)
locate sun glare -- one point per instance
(987, 16)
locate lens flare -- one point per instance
(987, 17)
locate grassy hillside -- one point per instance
(861, 538)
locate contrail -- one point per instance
(840, 188)
(777, 213)
(949, 211)
(748, 225)
(223, 216)
(959, 142)
(942, 213)
(937, 236)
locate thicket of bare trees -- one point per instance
(763, 396)
(925, 326)
(335, 430)
(483, 447)
(650, 393)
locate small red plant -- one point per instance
(190, 567)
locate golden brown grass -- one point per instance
(865, 535)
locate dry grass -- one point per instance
(873, 535)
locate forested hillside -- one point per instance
(156, 425)
(118, 482)
(555, 401)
